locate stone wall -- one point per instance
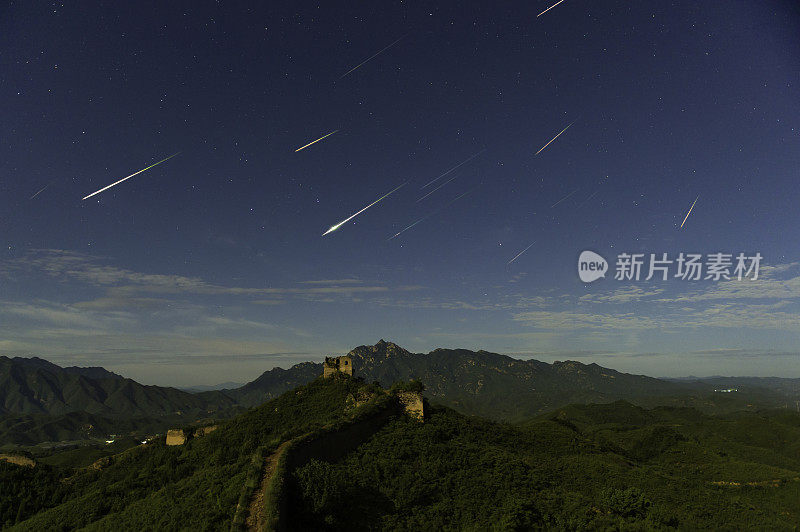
(202, 431)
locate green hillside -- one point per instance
(153, 486)
(610, 467)
(35, 386)
(339, 454)
(32, 429)
(42, 403)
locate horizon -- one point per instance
(249, 377)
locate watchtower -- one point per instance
(334, 365)
(176, 437)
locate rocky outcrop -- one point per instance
(18, 460)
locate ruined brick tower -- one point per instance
(176, 437)
(334, 365)
(413, 404)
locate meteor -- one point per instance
(554, 138)
(443, 184)
(437, 188)
(315, 141)
(690, 212)
(373, 56)
(130, 176)
(456, 166)
(42, 189)
(593, 194)
(520, 253)
(407, 228)
(431, 214)
(549, 8)
(337, 226)
(564, 198)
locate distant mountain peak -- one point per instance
(381, 349)
(32, 362)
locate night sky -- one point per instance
(213, 267)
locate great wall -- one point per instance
(267, 508)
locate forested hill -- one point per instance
(476, 382)
(94, 372)
(195, 486)
(35, 386)
(582, 467)
(274, 382)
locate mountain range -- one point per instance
(474, 382)
(504, 388)
(39, 400)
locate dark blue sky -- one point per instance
(212, 267)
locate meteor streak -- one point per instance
(130, 176)
(373, 56)
(407, 228)
(42, 189)
(443, 184)
(549, 8)
(315, 141)
(690, 212)
(437, 211)
(520, 253)
(554, 138)
(593, 194)
(564, 198)
(437, 188)
(337, 226)
(456, 166)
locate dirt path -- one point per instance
(255, 512)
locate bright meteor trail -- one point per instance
(373, 56)
(549, 8)
(690, 212)
(337, 226)
(520, 253)
(130, 176)
(315, 141)
(554, 138)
